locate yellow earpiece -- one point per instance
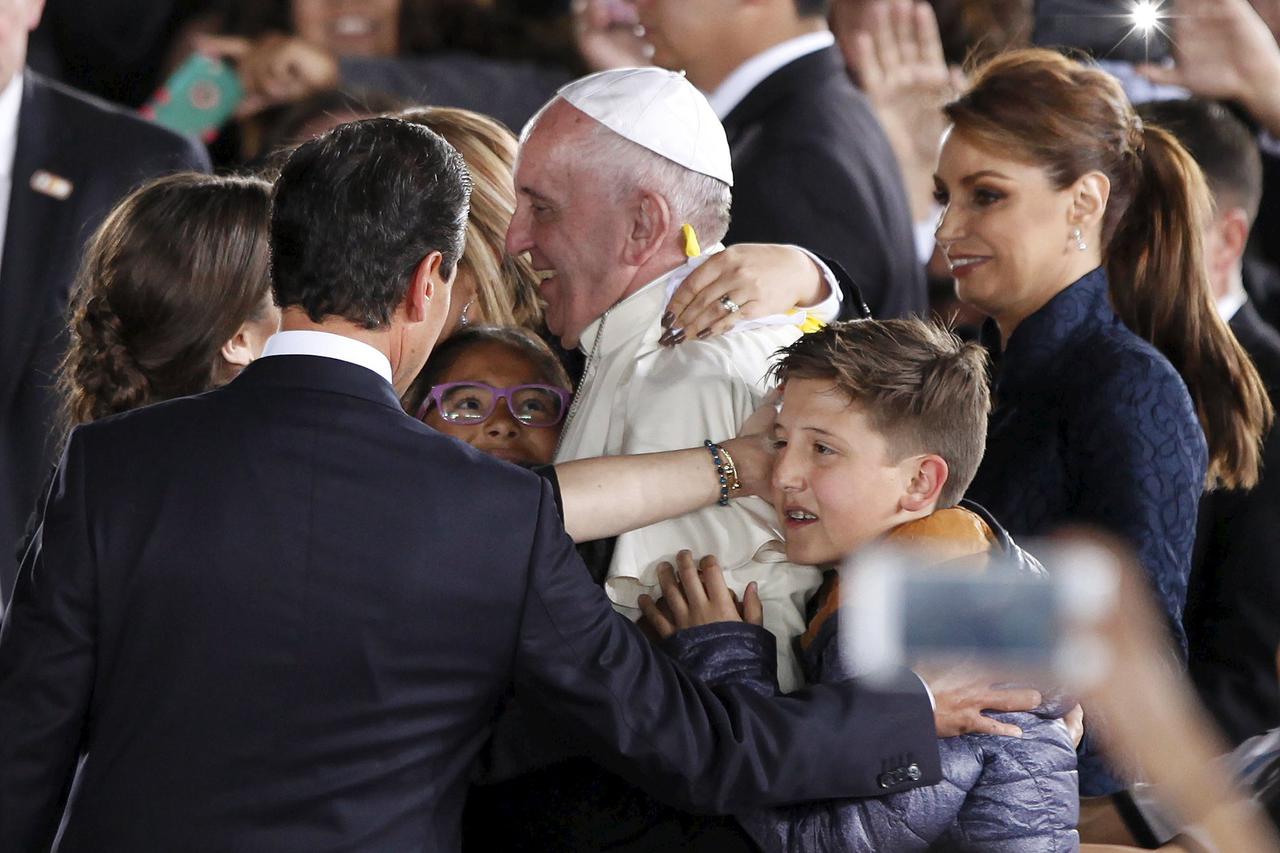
(691, 247)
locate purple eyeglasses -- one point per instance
(472, 403)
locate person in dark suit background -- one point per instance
(281, 606)
(67, 159)
(811, 163)
(1234, 591)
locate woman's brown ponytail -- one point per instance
(1160, 289)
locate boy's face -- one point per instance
(834, 486)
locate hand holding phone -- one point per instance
(198, 99)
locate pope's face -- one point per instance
(570, 222)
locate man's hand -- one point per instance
(1222, 49)
(700, 597)
(274, 69)
(898, 62)
(961, 694)
(609, 34)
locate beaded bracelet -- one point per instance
(725, 470)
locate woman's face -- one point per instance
(500, 434)
(1005, 230)
(349, 27)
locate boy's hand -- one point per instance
(700, 597)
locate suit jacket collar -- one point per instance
(807, 72)
(316, 373)
(1247, 321)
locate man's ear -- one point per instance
(1089, 197)
(651, 224)
(928, 474)
(427, 284)
(36, 11)
(1234, 233)
(237, 351)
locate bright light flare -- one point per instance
(1145, 16)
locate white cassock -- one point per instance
(639, 397)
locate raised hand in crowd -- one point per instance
(274, 69)
(760, 279)
(609, 34)
(895, 53)
(1223, 49)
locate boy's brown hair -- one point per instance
(919, 385)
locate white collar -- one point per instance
(1230, 304)
(328, 345)
(760, 67)
(10, 104)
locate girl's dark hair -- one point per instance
(443, 357)
(1072, 119)
(169, 277)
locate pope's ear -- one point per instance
(650, 226)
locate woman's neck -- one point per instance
(1007, 321)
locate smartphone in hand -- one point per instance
(197, 99)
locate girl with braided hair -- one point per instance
(173, 296)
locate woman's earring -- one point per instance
(1078, 236)
(463, 320)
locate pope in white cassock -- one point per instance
(609, 175)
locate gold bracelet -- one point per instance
(730, 470)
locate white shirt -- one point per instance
(760, 67)
(329, 345)
(1231, 303)
(637, 396)
(10, 102)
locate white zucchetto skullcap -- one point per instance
(659, 110)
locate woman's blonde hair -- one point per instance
(506, 287)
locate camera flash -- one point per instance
(1145, 15)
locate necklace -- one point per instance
(586, 379)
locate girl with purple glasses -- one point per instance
(503, 391)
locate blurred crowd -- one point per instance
(456, 424)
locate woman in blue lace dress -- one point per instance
(1120, 393)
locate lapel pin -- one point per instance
(54, 186)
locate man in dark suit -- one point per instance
(1234, 591)
(65, 160)
(811, 164)
(276, 616)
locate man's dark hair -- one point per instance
(810, 8)
(355, 211)
(1220, 144)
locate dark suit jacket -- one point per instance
(103, 152)
(280, 616)
(812, 166)
(1233, 601)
